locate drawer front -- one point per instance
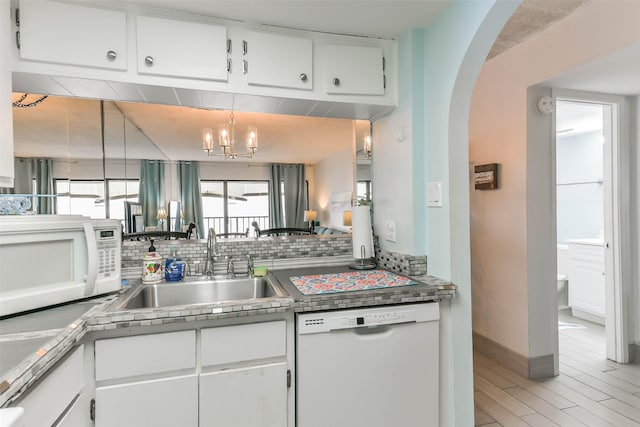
(145, 354)
(238, 343)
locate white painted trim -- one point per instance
(617, 331)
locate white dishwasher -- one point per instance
(368, 367)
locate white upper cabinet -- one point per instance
(174, 48)
(278, 60)
(75, 35)
(353, 70)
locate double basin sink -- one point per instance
(199, 291)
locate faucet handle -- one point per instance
(250, 264)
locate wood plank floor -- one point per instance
(590, 390)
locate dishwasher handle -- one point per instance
(374, 332)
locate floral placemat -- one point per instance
(348, 281)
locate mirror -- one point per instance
(69, 131)
(364, 151)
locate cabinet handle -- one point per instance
(303, 77)
(111, 55)
(148, 60)
(336, 81)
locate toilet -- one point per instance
(563, 279)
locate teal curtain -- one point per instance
(44, 184)
(294, 196)
(151, 193)
(190, 195)
(292, 213)
(276, 217)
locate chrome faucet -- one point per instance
(249, 265)
(211, 253)
(230, 268)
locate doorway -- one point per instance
(587, 233)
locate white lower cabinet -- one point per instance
(245, 379)
(48, 401)
(587, 279)
(240, 378)
(247, 396)
(76, 416)
(147, 381)
(165, 402)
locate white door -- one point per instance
(170, 47)
(614, 289)
(278, 61)
(71, 34)
(247, 396)
(165, 402)
(353, 70)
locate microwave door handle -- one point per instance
(92, 255)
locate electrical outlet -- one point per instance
(390, 230)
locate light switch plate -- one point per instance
(434, 194)
(390, 230)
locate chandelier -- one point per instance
(227, 141)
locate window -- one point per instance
(80, 198)
(120, 191)
(363, 190)
(86, 197)
(231, 206)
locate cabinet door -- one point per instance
(166, 402)
(6, 113)
(77, 415)
(586, 278)
(251, 396)
(353, 70)
(46, 401)
(168, 47)
(71, 34)
(279, 61)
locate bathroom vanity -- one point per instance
(587, 279)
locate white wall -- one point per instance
(438, 66)
(507, 245)
(233, 171)
(579, 188)
(332, 175)
(635, 153)
(92, 169)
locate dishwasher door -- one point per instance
(368, 367)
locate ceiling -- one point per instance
(176, 131)
(617, 73)
(59, 126)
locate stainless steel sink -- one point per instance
(199, 292)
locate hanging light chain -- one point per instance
(19, 102)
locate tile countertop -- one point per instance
(49, 344)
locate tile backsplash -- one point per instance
(194, 252)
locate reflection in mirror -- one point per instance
(363, 163)
(66, 134)
(175, 216)
(99, 179)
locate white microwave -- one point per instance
(51, 259)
